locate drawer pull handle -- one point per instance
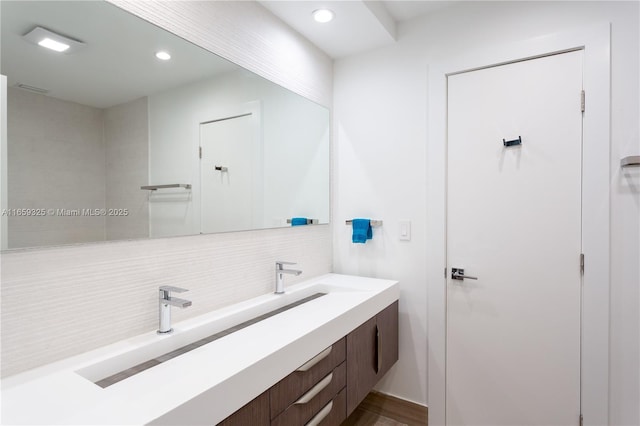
(315, 390)
(316, 359)
(318, 418)
(378, 351)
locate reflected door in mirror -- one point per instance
(229, 177)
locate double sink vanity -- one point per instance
(308, 356)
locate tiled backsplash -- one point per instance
(62, 301)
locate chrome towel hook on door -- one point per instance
(512, 142)
(221, 168)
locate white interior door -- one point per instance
(227, 174)
(514, 222)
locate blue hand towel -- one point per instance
(297, 221)
(361, 230)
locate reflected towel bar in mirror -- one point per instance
(630, 161)
(373, 222)
(309, 221)
(171, 185)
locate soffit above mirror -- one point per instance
(358, 25)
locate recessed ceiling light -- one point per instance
(323, 15)
(50, 40)
(53, 45)
(162, 55)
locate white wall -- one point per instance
(79, 291)
(379, 173)
(380, 166)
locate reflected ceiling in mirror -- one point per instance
(112, 140)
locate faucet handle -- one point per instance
(172, 288)
(281, 263)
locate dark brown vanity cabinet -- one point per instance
(326, 389)
(372, 349)
(255, 412)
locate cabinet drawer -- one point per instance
(289, 389)
(337, 412)
(301, 411)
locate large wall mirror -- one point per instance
(107, 141)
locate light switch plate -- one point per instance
(405, 230)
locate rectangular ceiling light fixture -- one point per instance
(50, 40)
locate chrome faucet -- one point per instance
(280, 271)
(165, 302)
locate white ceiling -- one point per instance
(359, 25)
(403, 10)
(118, 63)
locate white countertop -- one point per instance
(209, 383)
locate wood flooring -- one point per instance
(379, 409)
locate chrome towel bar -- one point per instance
(373, 222)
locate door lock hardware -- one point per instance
(458, 274)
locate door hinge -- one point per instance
(582, 97)
(582, 263)
(199, 152)
(445, 272)
(581, 420)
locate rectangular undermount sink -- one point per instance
(163, 348)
